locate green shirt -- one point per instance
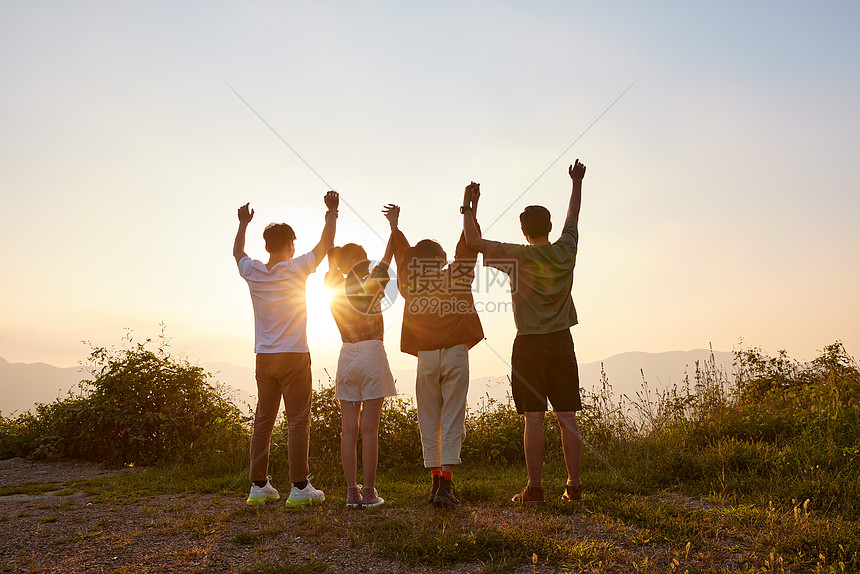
(541, 281)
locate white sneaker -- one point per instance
(262, 494)
(307, 495)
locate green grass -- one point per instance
(252, 538)
(612, 527)
(759, 472)
(312, 567)
(31, 488)
(80, 535)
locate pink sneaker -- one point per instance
(353, 497)
(371, 497)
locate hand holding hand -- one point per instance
(576, 171)
(332, 199)
(475, 194)
(392, 214)
(467, 194)
(471, 194)
(245, 214)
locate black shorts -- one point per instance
(544, 367)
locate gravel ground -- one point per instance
(18, 471)
(69, 532)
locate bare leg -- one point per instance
(371, 412)
(533, 443)
(571, 445)
(349, 414)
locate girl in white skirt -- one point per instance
(363, 379)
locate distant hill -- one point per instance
(22, 385)
(625, 372)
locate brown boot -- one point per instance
(445, 495)
(529, 495)
(572, 493)
(434, 488)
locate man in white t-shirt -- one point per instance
(283, 359)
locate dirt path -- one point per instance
(52, 526)
(18, 471)
(64, 530)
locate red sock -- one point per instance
(437, 473)
(447, 475)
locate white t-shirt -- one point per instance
(280, 308)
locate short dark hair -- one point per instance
(428, 249)
(352, 257)
(278, 236)
(422, 257)
(535, 221)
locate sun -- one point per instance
(318, 297)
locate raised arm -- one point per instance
(327, 239)
(245, 216)
(577, 172)
(399, 243)
(333, 276)
(392, 214)
(471, 231)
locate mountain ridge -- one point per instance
(22, 385)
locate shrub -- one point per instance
(780, 430)
(139, 407)
(494, 433)
(399, 436)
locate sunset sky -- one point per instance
(720, 203)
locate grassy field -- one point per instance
(616, 529)
(754, 472)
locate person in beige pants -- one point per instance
(440, 325)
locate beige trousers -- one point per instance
(287, 376)
(440, 389)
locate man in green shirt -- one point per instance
(543, 361)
